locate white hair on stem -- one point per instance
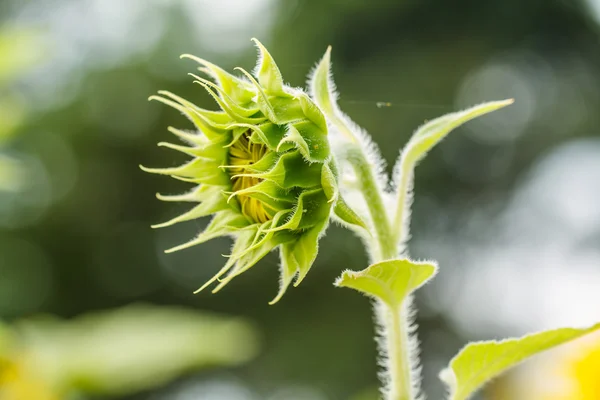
(383, 322)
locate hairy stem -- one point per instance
(395, 344)
(393, 321)
(386, 248)
(400, 224)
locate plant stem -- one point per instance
(397, 349)
(395, 345)
(386, 248)
(400, 227)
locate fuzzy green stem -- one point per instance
(374, 199)
(400, 227)
(395, 344)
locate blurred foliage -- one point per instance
(18, 51)
(78, 237)
(117, 352)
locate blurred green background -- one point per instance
(507, 205)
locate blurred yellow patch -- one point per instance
(569, 373)
(19, 382)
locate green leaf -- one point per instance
(390, 281)
(427, 136)
(134, 348)
(480, 362)
(423, 140)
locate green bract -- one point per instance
(263, 169)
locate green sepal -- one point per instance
(211, 124)
(268, 134)
(322, 86)
(306, 248)
(224, 101)
(223, 223)
(192, 138)
(329, 182)
(236, 112)
(390, 281)
(301, 209)
(285, 109)
(197, 194)
(291, 170)
(293, 137)
(198, 170)
(212, 152)
(213, 204)
(243, 240)
(289, 267)
(347, 216)
(249, 259)
(309, 139)
(263, 165)
(267, 71)
(316, 209)
(270, 193)
(236, 88)
(311, 111)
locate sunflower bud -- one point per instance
(263, 169)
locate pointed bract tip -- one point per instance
(276, 299)
(185, 55)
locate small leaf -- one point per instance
(427, 136)
(390, 281)
(479, 362)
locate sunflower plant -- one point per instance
(275, 164)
